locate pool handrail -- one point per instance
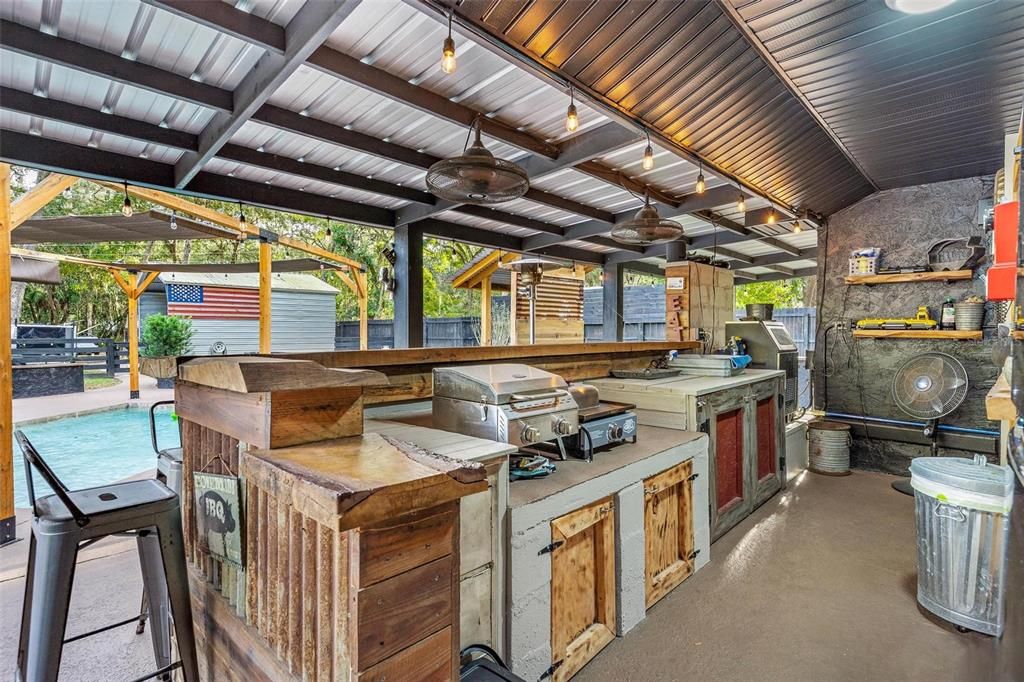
(32, 460)
(152, 423)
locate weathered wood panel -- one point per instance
(668, 530)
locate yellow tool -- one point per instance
(922, 320)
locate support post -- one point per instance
(409, 286)
(7, 521)
(611, 284)
(133, 345)
(486, 331)
(265, 311)
(364, 314)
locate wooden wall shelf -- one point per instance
(960, 335)
(1017, 335)
(949, 276)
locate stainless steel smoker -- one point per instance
(770, 347)
(509, 403)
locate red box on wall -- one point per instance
(1001, 279)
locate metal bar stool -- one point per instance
(68, 521)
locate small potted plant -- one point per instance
(164, 338)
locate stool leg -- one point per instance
(26, 605)
(172, 549)
(52, 579)
(154, 591)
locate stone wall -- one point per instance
(858, 373)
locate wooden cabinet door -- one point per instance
(583, 619)
(724, 417)
(767, 440)
(668, 529)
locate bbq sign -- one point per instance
(219, 516)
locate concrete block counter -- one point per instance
(594, 544)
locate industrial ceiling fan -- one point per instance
(647, 227)
(477, 176)
(928, 387)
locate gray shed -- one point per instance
(224, 308)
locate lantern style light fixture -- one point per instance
(701, 185)
(126, 205)
(572, 119)
(648, 152)
(448, 50)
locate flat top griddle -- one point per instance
(604, 408)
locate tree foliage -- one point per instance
(783, 293)
(164, 335)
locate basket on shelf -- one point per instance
(864, 265)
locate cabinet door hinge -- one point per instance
(704, 427)
(551, 548)
(692, 477)
(550, 671)
(693, 554)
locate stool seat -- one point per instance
(101, 503)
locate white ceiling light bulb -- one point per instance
(572, 119)
(917, 6)
(648, 163)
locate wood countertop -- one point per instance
(687, 384)
(485, 354)
(357, 481)
(998, 403)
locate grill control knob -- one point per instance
(561, 427)
(614, 432)
(530, 434)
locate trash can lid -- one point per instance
(960, 479)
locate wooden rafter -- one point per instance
(30, 203)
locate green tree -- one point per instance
(783, 293)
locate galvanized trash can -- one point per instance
(963, 525)
(828, 448)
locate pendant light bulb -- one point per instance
(241, 218)
(126, 206)
(701, 185)
(572, 119)
(741, 205)
(771, 216)
(648, 154)
(329, 233)
(174, 220)
(797, 228)
(448, 50)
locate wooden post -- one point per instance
(133, 290)
(7, 522)
(409, 286)
(611, 283)
(486, 338)
(364, 315)
(265, 311)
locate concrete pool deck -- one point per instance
(29, 410)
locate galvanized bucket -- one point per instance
(969, 316)
(828, 450)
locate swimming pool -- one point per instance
(94, 449)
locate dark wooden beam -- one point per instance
(614, 177)
(507, 218)
(646, 268)
(305, 32)
(304, 169)
(804, 272)
(64, 112)
(62, 157)
(571, 253)
(772, 259)
(408, 293)
(352, 70)
(79, 57)
(222, 17)
(467, 234)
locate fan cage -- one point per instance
(477, 180)
(644, 232)
(930, 386)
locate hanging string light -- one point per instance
(572, 119)
(448, 50)
(648, 152)
(797, 228)
(771, 216)
(701, 185)
(329, 234)
(174, 220)
(126, 206)
(241, 218)
(741, 205)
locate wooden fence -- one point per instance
(104, 355)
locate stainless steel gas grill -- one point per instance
(510, 403)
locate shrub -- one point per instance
(166, 335)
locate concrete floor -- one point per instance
(818, 584)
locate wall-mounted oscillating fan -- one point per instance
(928, 387)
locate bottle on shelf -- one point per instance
(947, 320)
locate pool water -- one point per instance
(94, 449)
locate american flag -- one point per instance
(212, 303)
